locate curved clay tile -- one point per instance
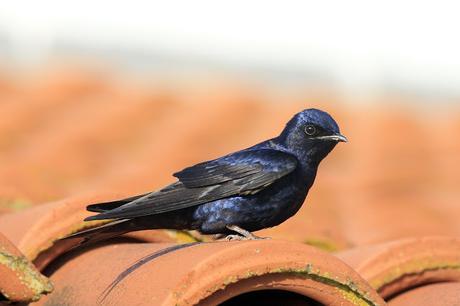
(204, 273)
(208, 272)
(19, 279)
(36, 231)
(442, 294)
(395, 267)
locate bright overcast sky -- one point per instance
(360, 41)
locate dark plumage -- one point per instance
(245, 191)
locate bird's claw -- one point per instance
(234, 238)
(243, 234)
(241, 238)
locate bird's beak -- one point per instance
(336, 137)
(340, 138)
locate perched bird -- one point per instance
(233, 195)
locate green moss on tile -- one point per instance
(14, 205)
(182, 236)
(348, 289)
(323, 244)
(29, 276)
(411, 268)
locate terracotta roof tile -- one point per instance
(69, 138)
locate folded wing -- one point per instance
(242, 173)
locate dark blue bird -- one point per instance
(233, 195)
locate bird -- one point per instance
(231, 196)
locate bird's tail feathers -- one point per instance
(106, 231)
(106, 206)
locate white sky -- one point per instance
(412, 42)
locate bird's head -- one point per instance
(313, 133)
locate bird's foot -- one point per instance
(235, 238)
(243, 234)
(242, 238)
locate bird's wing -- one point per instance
(244, 166)
(242, 173)
(106, 206)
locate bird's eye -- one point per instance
(310, 130)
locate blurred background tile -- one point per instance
(99, 97)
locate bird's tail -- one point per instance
(106, 206)
(104, 232)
